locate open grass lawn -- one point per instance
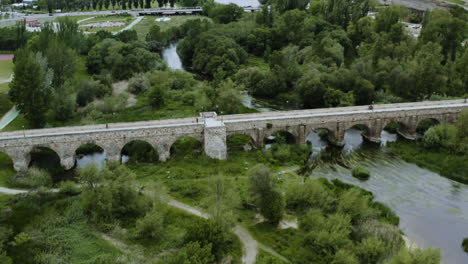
(144, 26)
(6, 170)
(5, 103)
(6, 69)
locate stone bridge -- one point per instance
(212, 130)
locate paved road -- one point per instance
(20, 16)
(130, 26)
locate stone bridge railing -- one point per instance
(213, 130)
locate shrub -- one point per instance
(138, 84)
(193, 253)
(360, 173)
(34, 178)
(156, 97)
(209, 232)
(465, 244)
(69, 188)
(113, 104)
(441, 136)
(151, 226)
(269, 200)
(302, 197)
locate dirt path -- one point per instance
(8, 117)
(249, 243)
(9, 191)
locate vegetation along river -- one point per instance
(433, 210)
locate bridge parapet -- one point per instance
(212, 130)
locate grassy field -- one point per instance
(6, 170)
(6, 69)
(144, 26)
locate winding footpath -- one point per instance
(136, 21)
(249, 243)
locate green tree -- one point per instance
(156, 97)
(115, 198)
(151, 227)
(342, 12)
(208, 233)
(30, 89)
(225, 14)
(266, 197)
(442, 27)
(415, 256)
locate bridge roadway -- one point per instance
(212, 130)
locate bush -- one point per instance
(34, 178)
(441, 136)
(156, 97)
(209, 232)
(360, 173)
(465, 244)
(302, 197)
(138, 84)
(69, 188)
(193, 253)
(151, 226)
(262, 190)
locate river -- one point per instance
(433, 210)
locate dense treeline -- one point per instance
(331, 54)
(49, 79)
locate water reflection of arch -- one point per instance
(369, 132)
(404, 129)
(330, 128)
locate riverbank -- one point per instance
(452, 166)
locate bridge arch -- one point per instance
(137, 150)
(324, 133)
(89, 149)
(6, 162)
(281, 136)
(185, 145)
(240, 142)
(46, 157)
(425, 123)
